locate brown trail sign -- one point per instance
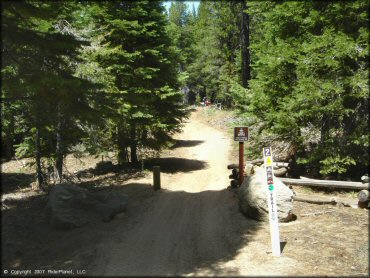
(241, 135)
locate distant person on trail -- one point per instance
(205, 102)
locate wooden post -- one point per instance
(241, 135)
(241, 162)
(156, 177)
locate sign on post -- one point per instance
(241, 134)
(271, 201)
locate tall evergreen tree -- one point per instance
(37, 72)
(309, 80)
(140, 56)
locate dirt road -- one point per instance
(192, 226)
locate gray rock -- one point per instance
(253, 197)
(70, 206)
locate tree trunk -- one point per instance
(324, 132)
(133, 144)
(246, 71)
(122, 148)
(9, 139)
(59, 144)
(40, 179)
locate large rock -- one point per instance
(253, 197)
(70, 206)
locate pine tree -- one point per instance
(139, 54)
(38, 73)
(308, 80)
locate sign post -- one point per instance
(241, 135)
(271, 201)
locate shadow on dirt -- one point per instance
(206, 229)
(174, 164)
(29, 241)
(201, 230)
(186, 143)
(11, 182)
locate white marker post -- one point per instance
(271, 201)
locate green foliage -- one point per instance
(138, 53)
(114, 75)
(336, 164)
(99, 73)
(308, 78)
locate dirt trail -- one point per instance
(192, 226)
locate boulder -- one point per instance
(70, 206)
(253, 197)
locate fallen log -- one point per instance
(326, 183)
(320, 200)
(315, 200)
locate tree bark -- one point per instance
(40, 179)
(246, 71)
(9, 139)
(122, 147)
(59, 144)
(324, 132)
(133, 144)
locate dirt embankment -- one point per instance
(191, 227)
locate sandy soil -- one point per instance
(191, 227)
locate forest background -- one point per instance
(119, 76)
